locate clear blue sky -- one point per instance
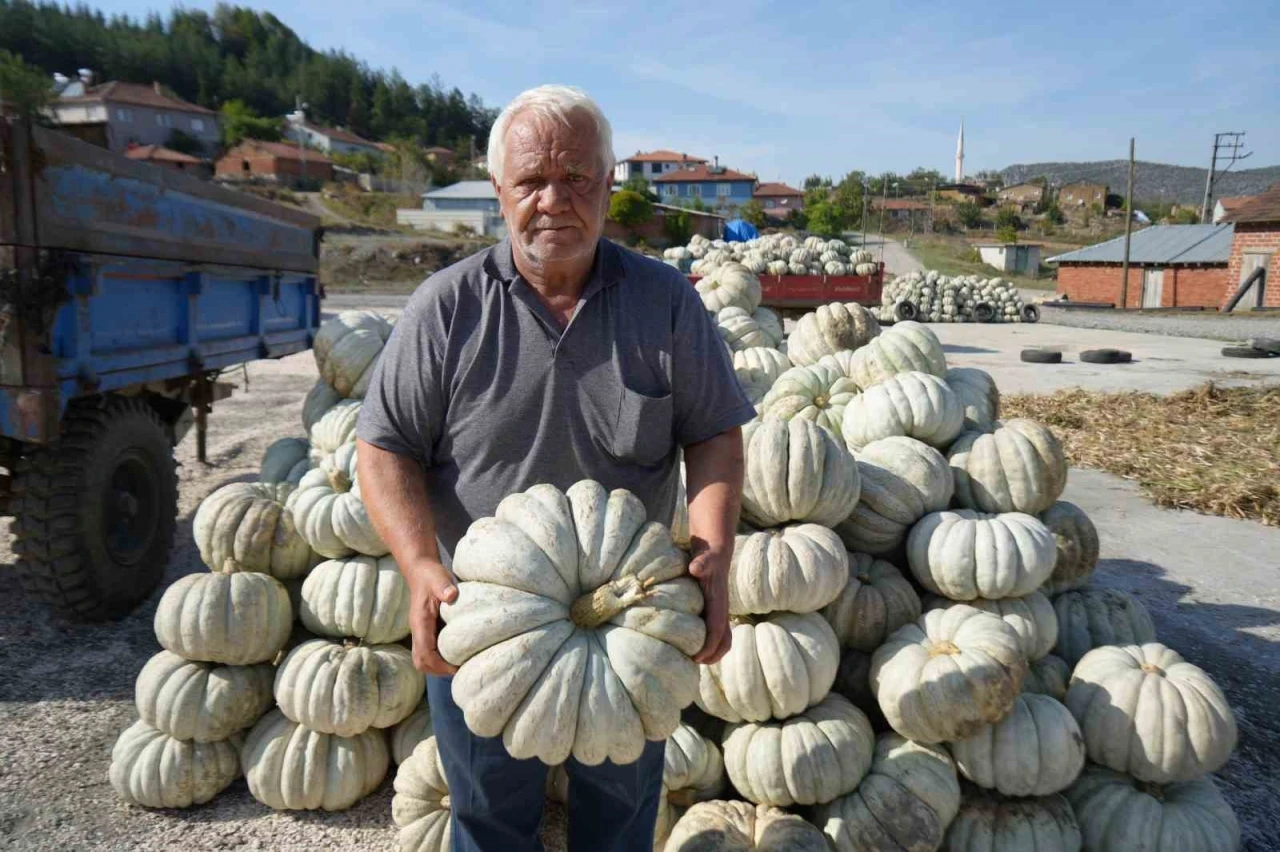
(789, 88)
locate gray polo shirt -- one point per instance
(481, 386)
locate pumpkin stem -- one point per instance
(444, 802)
(685, 797)
(1152, 668)
(1155, 791)
(231, 565)
(735, 620)
(339, 481)
(595, 608)
(944, 647)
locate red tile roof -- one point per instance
(117, 92)
(280, 150)
(899, 204)
(1260, 208)
(1232, 202)
(701, 173)
(159, 152)
(662, 156)
(773, 190)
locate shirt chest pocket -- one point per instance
(642, 431)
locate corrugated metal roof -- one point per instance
(469, 189)
(1161, 244)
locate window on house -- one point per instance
(124, 115)
(722, 189)
(695, 189)
(197, 124)
(164, 119)
(655, 168)
(244, 166)
(671, 189)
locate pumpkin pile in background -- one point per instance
(772, 254)
(930, 296)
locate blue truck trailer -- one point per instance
(125, 290)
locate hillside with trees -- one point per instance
(1151, 181)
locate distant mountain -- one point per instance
(1151, 181)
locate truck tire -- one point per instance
(906, 312)
(94, 511)
(984, 312)
(1030, 313)
(1041, 356)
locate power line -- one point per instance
(1226, 148)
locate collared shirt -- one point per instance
(482, 386)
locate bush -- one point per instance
(1053, 213)
(1007, 219)
(629, 208)
(969, 214)
(1007, 234)
(753, 212)
(677, 225)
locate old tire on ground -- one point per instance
(1031, 313)
(905, 312)
(984, 312)
(1041, 356)
(1106, 356)
(1266, 344)
(1245, 352)
(94, 511)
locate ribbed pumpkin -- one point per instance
(964, 555)
(730, 826)
(948, 674)
(1078, 547)
(361, 596)
(796, 471)
(979, 396)
(420, 807)
(1120, 814)
(902, 481)
(778, 665)
(875, 602)
(412, 730)
(771, 324)
(329, 511)
(201, 701)
(152, 769)
(829, 329)
(798, 568)
(1048, 675)
(1091, 617)
(1032, 617)
(903, 348)
(247, 523)
(574, 626)
(693, 771)
(285, 460)
(758, 368)
(233, 619)
(347, 347)
(1018, 467)
(739, 329)
(290, 767)
(916, 405)
(336, 427)
(804, 760)
(1035, 750)
(1146, 711)
(343, 689)
(318, 400)
(729, 285)
(904, 804)
(816, 393)
(989, 823)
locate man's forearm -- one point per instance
(713, 474)
(395, 496)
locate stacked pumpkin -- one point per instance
(772, 254)
(933, 297)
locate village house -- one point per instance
(652, 164)
(1082, 194)
(1021, 195)
(468, 204)
(1256, 244)
(274, 162)
(778, 199)
(118, 115)
(331, 140)
(721, 189)
(1225, 207)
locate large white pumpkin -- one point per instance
(342, 689)
(361, 596)
(574, 626)
(732, 826)
(1035, 750)
(336, 427)
(758, 368)
(989, 823)
(904, 804)
(875, 602)
(740, 330)
(347, 348)
(830, 329)
(817, 393)
(902, 481)
(234, 619)
(291, 767)
(1120, 814)
(1078, 547)
(285, 460)
(948, 674)
(319, 399)
(917, 405)
(244, 526)
(807, 759)
(964, 555)
(1032, 617)
(1018, 467)
(770, 323)
(201, 701)
(903, 348)
(776, 667)
(329, 511)
(407, 733)
(1146, 711)
(979, 396)
(152, 769)
(693, 771)
(420, 807)
(729, 285)
(798, 568)
(796, 471)
(1091, 617)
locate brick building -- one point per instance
(1170, 266)
(1082, 194)
(778, 199)
(653, 232)
(1256, 243)
(158, 155)
(274, 162)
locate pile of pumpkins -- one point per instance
(287, 661)
(930, 296)
(772, 254)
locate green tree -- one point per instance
(1053, 213)
(1007, 217)
(847, 199)
(182, 141)
(1007, 234)
(677, 225)
(815, 181)
(25, 90)
(629, 208)
(969, 214)
(753, 212)
(797, 219)
(239, 122)
(641, 186)
(825, 219)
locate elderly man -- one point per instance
(554, 356)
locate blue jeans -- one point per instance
(497, 800)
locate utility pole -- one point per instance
(865, 190)
(1128, 233)
(1228, 144)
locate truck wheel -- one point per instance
(94, 511)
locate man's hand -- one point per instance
(711, 569)
(430, 584)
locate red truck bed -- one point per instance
(809, 291)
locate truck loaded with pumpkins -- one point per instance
(125, 291)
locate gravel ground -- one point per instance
(1207, 324)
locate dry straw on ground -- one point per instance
(1211, 449)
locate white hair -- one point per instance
(555, 103)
